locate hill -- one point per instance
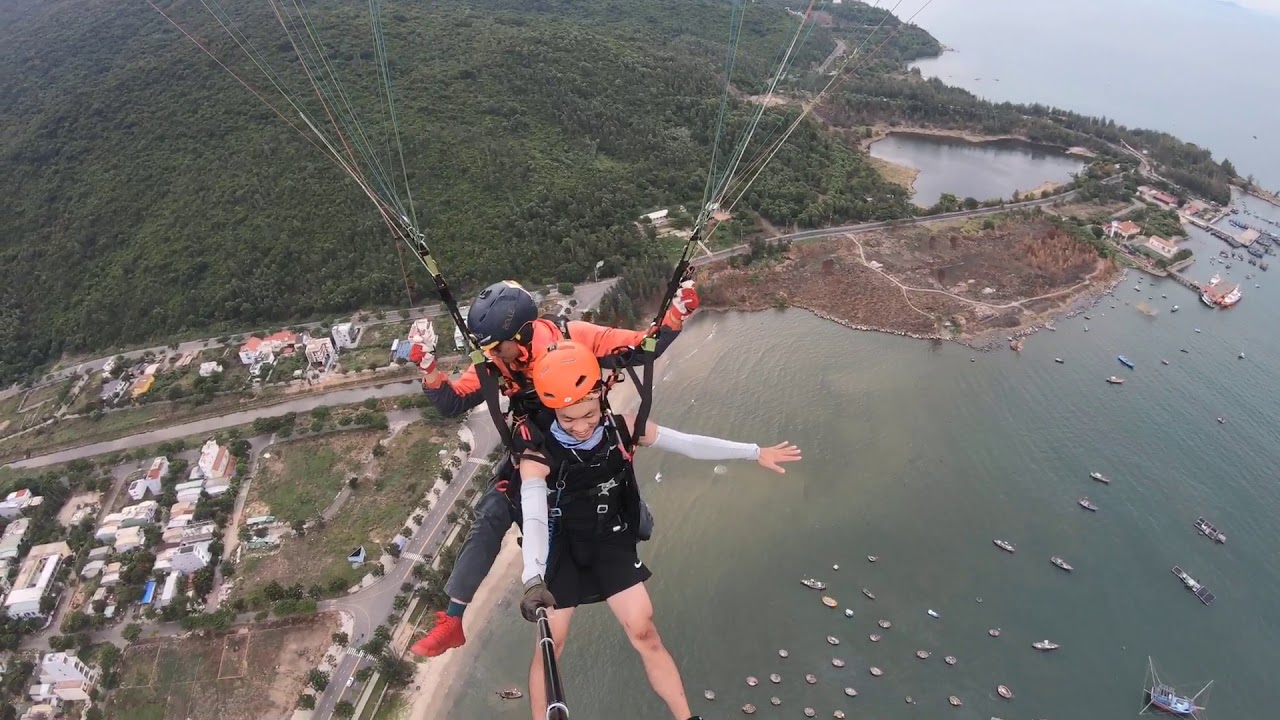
(148, 194)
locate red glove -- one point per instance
(686, 299)
(423, 357)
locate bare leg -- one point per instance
(537, 684)
(634, 610)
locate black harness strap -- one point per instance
(492, 399)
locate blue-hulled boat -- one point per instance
(1125, 361)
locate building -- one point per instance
(111, 574)
(254, 352)
(280, 342)
(16, 502)
(1248, 237)
(189, 558)
(63, 666)
(1164, 248)
(142, 387)
(92, 569)
(209, 369)
(320, 352)
(106, 533)
(12, 538)
(1124, 230)
(191, 533)
(657, 218)
(113, 391)
(109, 366)
(181, 514)
(345, 335)
(100, 553)
(150, 482)
(169, 591)
(35, 579)
(215, 463)
(144, 513)
(130, 538)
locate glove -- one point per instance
(536, 596)
(424, 357)
(686, 299)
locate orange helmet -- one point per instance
(566, 375)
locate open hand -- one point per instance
(772, 457)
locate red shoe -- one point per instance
(446, 635)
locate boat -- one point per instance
(833, 640)
(811, 679)
(1061, 563)
(1184, 350)
(510, 694)
(848, 612)
(1045, 645)
(1215, 279)
(1004, 692)
(955, 701)
(1222, 297)
(775, 678)
(709, 694)
(868, 593)
(950, 660)
(1100, 478)
(1190, 583)
(1165, 699)
(813, 584)
(1222, 421)
(1115, 380)
(1241, 356)
(784, 654)
(873, 637)
(884, 624)
(1087, 504)
(837, 662)
(829, 601)
(933, 614)
(876, 672)
(1210, 531)
(1164, 362)
(850, 692)
(994, 632)
(1059, 360)
(1174, 309)
(872, 558)
(1125, 361)
(748, 709)
(922, 654)
(1005, 545)
(752, 681)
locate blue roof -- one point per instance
(403, 350)
(149, 592)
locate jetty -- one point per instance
(1184, 280)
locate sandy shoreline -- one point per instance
(438, 680)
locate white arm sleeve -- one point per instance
(537, 535)
(701, 447)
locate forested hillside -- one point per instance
(147, 192)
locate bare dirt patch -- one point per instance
(180, 679)
(951, 280)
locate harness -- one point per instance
(593, 493)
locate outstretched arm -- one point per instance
(703, 447)
(533, 505)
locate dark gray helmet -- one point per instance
(502, 311)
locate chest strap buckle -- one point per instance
(602, 509)
(605, 487)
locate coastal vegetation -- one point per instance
(149, 194)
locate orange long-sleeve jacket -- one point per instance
(454, 397)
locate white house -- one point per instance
(320, 352)
(211, 368)
(345, 335)
(190, 558)
(190, 491)
(69, 679)
(129, 538)
(111, 574)
(214, 462)
(144, 513)
(35, 577)
(170, 590)
(657, 217)
(12, 538)
(1164, 248)
(17, 501)
(150, 482)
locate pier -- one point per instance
(1222, 235)
(1184, 280)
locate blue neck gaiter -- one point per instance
(570, 443)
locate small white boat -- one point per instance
(1059, 360)
(872, 558)
(784, 654)
(994, 632)
(933, 614)
(1045, 645)
(709, 694)
(1100, 478)
(1005, 545)
(510, 694)
(950, 660)
(885, 624)
(848, 612)
(1004, 692)
(833, 640)
(813, 584)
(811, 679)
(922, 654)
(868, 594)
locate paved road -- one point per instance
(373, 605)
(583, 292)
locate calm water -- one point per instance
(980, 170)
(919, 456)
(1204, 70)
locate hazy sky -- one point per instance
(1272, 6)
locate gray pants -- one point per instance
(494, 516)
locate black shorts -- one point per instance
(581, 573)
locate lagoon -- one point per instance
(981, 170)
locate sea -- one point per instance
(922, 453)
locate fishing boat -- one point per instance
(1125, 361)
(1210, 531)
(752, 681)
(833, 640)
(510, 694)
(784, 654)
(884, 624)
(1045, 645)
(922, 654)
(1115, 380)
(1061, 563)
(876, 672)
(1005, 545)
(1100, 478)
(955, 701)
(1059, 360)
(1004, 692)
(873, 637)
(837, 662)
(1190, 583)
(775, 678)
(1173, 309)
(933, 614)
(829, 601)
(709, 694)
(813, 584)
(1087, 504)
(811, 679)
(872, 558)
(1222, 421)
(850, 692)
(1164, 362)
(1166, 699)
(748, 709)
(868, 593)
(950, 660)
(848, 612)
(994, 632)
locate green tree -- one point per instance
(307, 701)
(132, 632)
(318, 679)
(344, 709)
